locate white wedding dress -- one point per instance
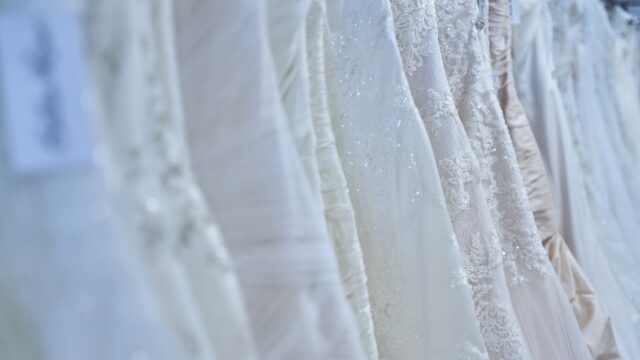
(554, 115)
(144, 152)
(422, 308)
(542, 308)
(417, 33)
(338, 210)
(247, 165)
(76, 287)
(295, 48)
(69, 289)
(613, 174)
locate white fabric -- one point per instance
(245, 160)
(421, 306)
(614, 174)
(546, 319)
(625, 79)
(74, 285)
(69, 291)
(145, 155)
(555, 118)
(338, 210)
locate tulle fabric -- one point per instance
(256, 185)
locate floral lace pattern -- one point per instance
(468, 205)
(459, 171)
(469, 73)
(414, 20)
(440, 107)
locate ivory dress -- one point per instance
(595, 324)
(256, 184)
(417, 34)
(143, 150)
(338, 210)
(408, 243)
(535, 290)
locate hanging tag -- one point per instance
(514, 6)
(43, 91)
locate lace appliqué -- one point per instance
(498, 327)
(459, 171)
(469, 73)
(439, 107)
(414, 19)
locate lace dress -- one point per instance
(421, 306)
(544, 314)
(553, 115)
(145, 154)
(594, 322)
(256, 184)
(626, 49)
(417, 34)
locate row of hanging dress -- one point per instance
(559, 102)
(593, 321)
(398, 198)
(320, 180)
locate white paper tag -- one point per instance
(43, 94)
(514, 6)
